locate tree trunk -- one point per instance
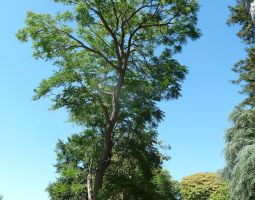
(89, 182)
(89, 187)
(105, 159)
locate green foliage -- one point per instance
(114, 62)
(240, 148)
(222, 194)
(72, 165)
(134, 173)
(240, 154)
(131, 173)
(166, 188)
(80, 44)
(203, 186)
(245, 67)
(89, 51)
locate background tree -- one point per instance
(114, 63)
(239, 151)
(166, 188)
(222, 194)
(135, 172)
(240, 154)
(202, 186)
(245, 67)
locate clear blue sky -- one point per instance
(194, 125)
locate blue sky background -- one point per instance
(194, 125)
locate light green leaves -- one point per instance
(202, 186)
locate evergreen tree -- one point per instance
(240, 154)
(245, 67)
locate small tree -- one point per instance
(202, 186)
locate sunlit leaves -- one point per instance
(202, 186)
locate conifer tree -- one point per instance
(240, 138)
(240, 154)
(245, 67)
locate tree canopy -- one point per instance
(203, 186)
(134, 173)
(114, 62)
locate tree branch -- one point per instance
(90, 49)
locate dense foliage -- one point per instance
(203, 186)
(134, 172)
(245, 67)
(240, 154)
(114, 62)
(222, 194)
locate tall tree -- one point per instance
(239, 152)
(114, 63)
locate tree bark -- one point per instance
(104, 162)
(89, 187)
(89, 183)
